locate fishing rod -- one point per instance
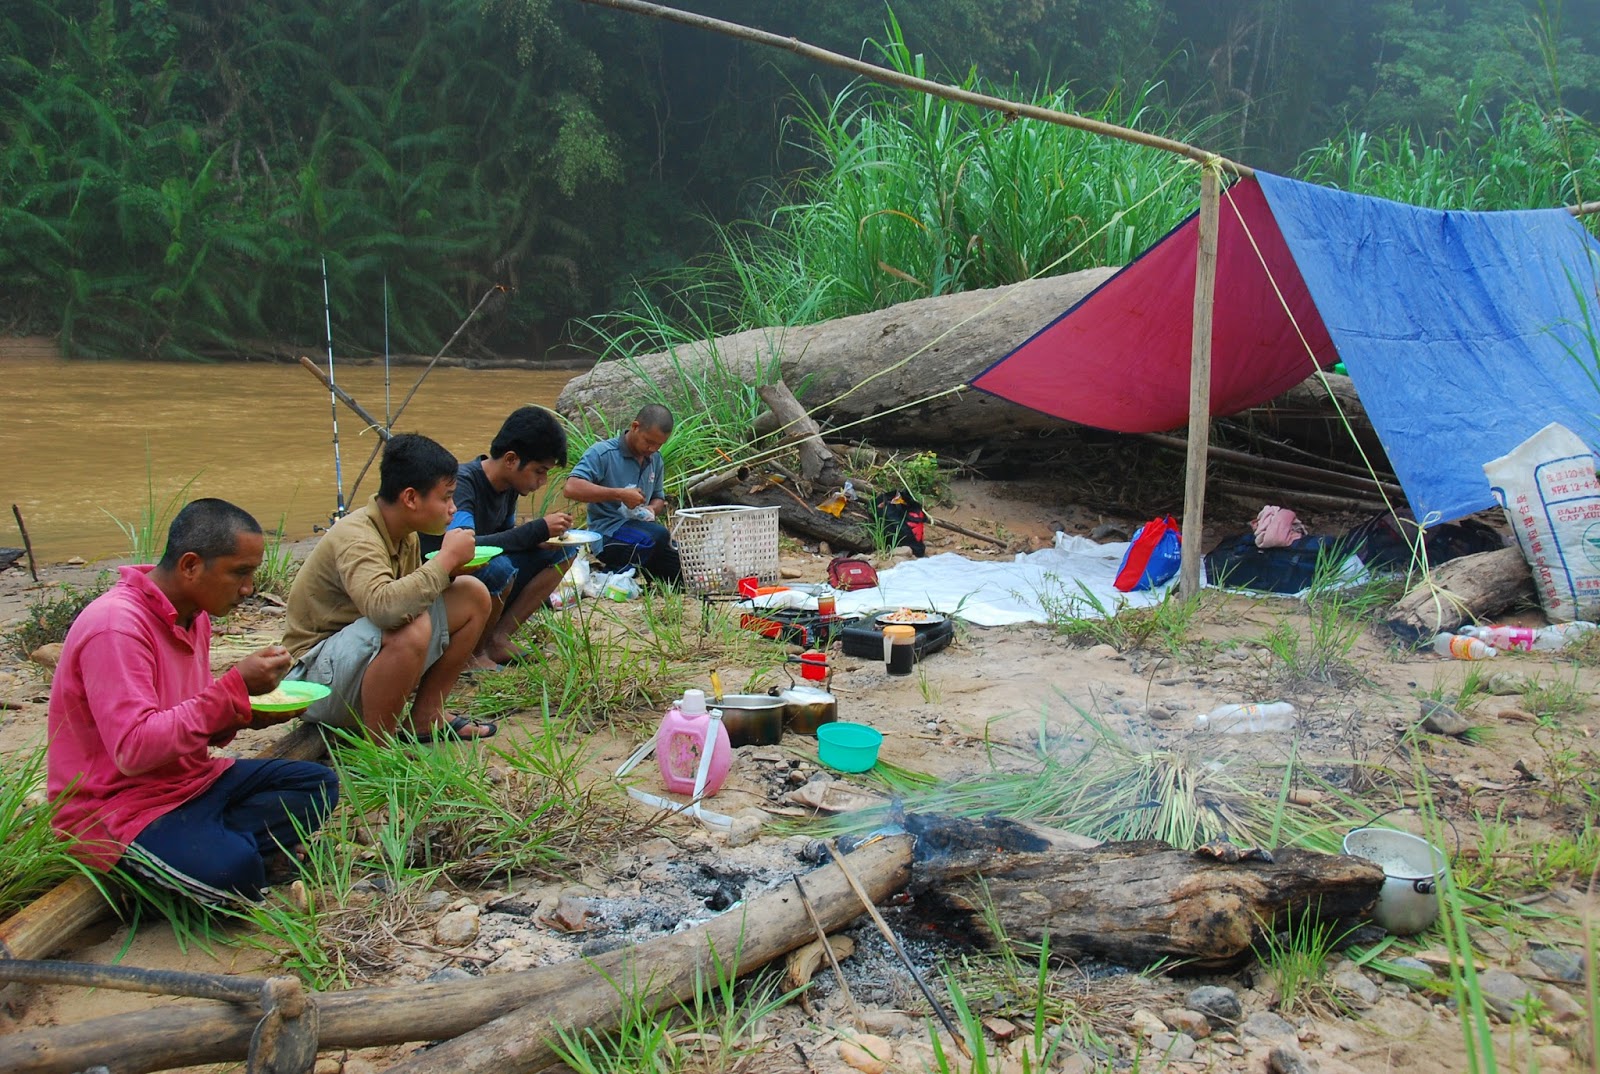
(388, 419)
(333, 401)
(490, 293)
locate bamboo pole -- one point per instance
(1013, 109)
(1285, 469)
(1205, 287)
(346, 398)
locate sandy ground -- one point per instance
(994, 697)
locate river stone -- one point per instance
(434, 901)
(47, 656)
(1288, 1059)
(457, 928)
(1563, 1009)
(1504, 992)
(1172, 1047)
(1355, 983)
(1553, 1058)
(1441, 719)
(1219, 1005)
(1186, 1021)
(447, 973)
(1146, 1024)
(1406, 962)
(745, 828)
(1561, 963)
(1268, 1026)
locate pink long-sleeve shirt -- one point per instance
(133, 714)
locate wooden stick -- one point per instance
(827, 949)
(497, 289)
(1194, 484)
(27, 545)
(346, 398)
(1288, 469)
(894, 945)
(1311, 499)
(951, 526)
(817, 463)
(133, 979)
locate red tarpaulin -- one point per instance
(1119, 359)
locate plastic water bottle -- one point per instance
(1561, 635)
(1463, 648)
(682, 741)
(1238, 719)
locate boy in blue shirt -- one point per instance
(621, 479)
(528, 446)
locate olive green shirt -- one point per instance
(356, 571)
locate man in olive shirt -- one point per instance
(370, 620)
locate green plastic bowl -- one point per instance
(848, 747)
(482, 554)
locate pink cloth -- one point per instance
(133, 714)
(1277, 527)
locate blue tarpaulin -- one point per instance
(1464, 333)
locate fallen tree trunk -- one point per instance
(576, 994)
(1470, 588)
(852, 365)
(797, 517)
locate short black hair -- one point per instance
(412, 461)
(534, 434)
(655, 416)
(209, 528)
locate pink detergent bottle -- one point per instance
(682, 740)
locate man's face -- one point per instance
(643, 442)
(221, 585)
(529, 477)
(432, 511)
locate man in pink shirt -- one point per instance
(134, 712)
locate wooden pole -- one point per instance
(1194, 483)
(1314, 474)
(27, 545)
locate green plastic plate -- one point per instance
(304, 694)
(480, 555)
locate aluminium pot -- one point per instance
(751, 719)
(1408, 902)
(805, 708)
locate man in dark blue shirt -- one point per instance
(621, 479)
(528, 446)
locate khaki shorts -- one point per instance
(340, 661)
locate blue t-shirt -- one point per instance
(610, 464)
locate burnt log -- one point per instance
(1134, 903)
(1467, 589)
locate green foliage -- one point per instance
(1296, 958)
(1086, 619)
(51, 613)
(33, 858)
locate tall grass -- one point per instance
(1527, 157)
(147, 534)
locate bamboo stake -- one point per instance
(1289, 469)
(346, 398)
(1194, 484)
(827, 949)
(27, 545)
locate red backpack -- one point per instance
(851, 572)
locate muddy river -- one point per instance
(81, 442)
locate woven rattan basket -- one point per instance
(720, 545)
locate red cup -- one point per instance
(814, 666)
(748, 586)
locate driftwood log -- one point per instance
(48, 924)
(796, 516)
(1133, 902)
(1472, 587)
(954, 337)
